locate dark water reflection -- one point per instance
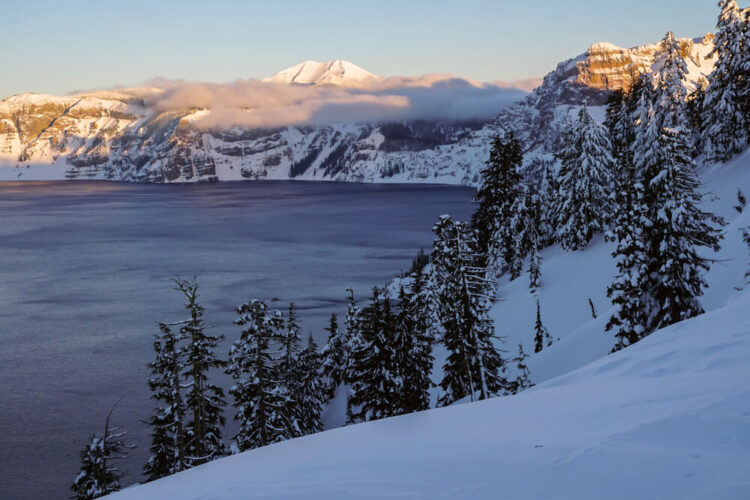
(85, 272)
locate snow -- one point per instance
(338, 72)
(665, 418)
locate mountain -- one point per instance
(338, 72)
(127, 135)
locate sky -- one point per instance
(58, 47)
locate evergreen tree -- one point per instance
(413, 349)
(260, 396)
(352, 328)
(168, 423)
(311, 397)
(98, 476)
(632, 133)
(547, 200)
(522, 381)
(527, 217)
(496, 195)
(660, 224)
(541, 334)
(741, 201)
(676, 225)
(473, 364)
(725, 105)
(205, 401)
(746, 239)
(290, 341)
(334, 358)
(373, 374)
(584, 204)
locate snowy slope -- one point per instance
(569, 279)
(338, 72)
(666, 418)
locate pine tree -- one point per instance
(260, 396)
(98, 476)
(205, 401)
(741, 201)
(526, 218)
(352, 328)
(473, 364)
(375, 382)
(548, 193)
(311, 397)
(334, 358)
(290, 341)
(496, 195)
(168, 440)
(541, 334)
(632, 132)
(584, 201)
(522, 381)
(674, 272)
(725, 108)
(413, 349)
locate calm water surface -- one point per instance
(85, 272)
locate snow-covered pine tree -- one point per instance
(547, 202)
(527, 218)
(518, 227)
(260, 396)
(373, 374)
(205, 401)
(675, 225)
(352, 327)
(522, 381)
(535, 262)
(168, 422)
(741, 201)
(333, 358)
(311, 397)
(496, 195)
(541, 334)
(289, 342)
(584, 201)
(726, 121)
(634, 131)
(695, 100)
(474, 363)
(98, 476)
(413, 349)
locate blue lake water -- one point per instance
(85, 271)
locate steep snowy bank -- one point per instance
(668, 417)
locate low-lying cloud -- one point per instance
(259, 104)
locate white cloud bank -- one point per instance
(258, 104)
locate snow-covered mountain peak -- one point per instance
(337, 72)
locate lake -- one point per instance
(85, 270)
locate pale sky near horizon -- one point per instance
(58, 47)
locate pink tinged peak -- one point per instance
(338, 72)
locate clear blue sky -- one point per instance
(59, 46)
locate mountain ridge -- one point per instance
(117, 135)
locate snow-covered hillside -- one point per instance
(441, 134)
(666, 418)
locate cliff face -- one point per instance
(116, 135)
(608, 67)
